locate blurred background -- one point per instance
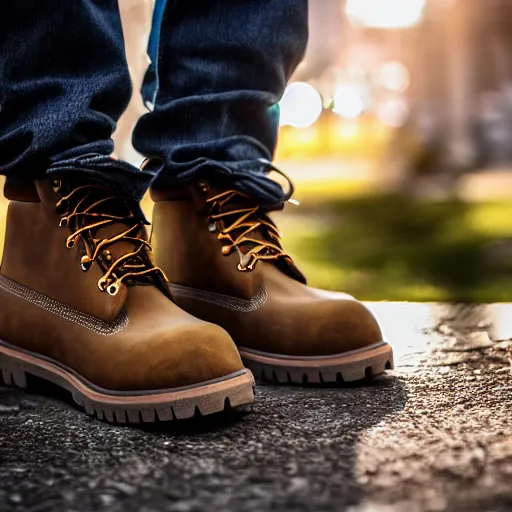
(397, 131)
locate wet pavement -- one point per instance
(433, 435)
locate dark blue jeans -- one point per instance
(221, 66)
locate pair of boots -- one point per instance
(84, 305)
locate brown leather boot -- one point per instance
(84, 307)
(222, 255)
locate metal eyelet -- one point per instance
(85, 263)
(70, 244)
(212, 228)
(107, 256)
(205, 187)
(248, 268)
(56, 185)
(113, 289)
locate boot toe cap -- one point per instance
(346, 324)
(193, 354)
(327, 326)
(198, 354)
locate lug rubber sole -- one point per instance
(351, 366)
(233, 391)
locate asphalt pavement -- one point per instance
(435, 434)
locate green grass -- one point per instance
(393, 248)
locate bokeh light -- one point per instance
(347, 102)
(385, 13)
(394, 76)
(300, 106)
(394, 113)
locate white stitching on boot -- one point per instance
(63, 310)
(223, 301)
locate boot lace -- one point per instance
(88, 208)
(243, 220)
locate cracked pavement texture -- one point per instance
(435, 434)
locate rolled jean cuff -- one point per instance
(249, 176)
(121, 177)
